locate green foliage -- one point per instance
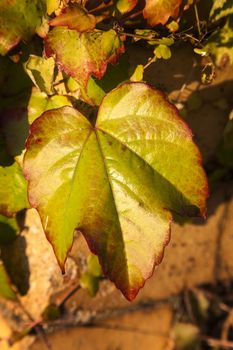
(119, 173)
(6, 290)
(19, 20)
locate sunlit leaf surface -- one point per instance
(118, 182)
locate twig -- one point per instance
(217, 342)
(226, 326)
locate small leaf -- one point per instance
(41, 72)
(93, 266)
(89, 282)
(159, 11)
(138, 73)
(75, 17)
(13, 190)
(162, 51)
(125, 6)
(6, 290)
(187, 336)
(117, 182)
(19, 20)
(94, 51)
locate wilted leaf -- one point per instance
(13, 190)
(117, 182)
(75, 17)
(81, 55)
(41, 72)
(6, 290)
(19, 20)
(125, 6)
(159, 11)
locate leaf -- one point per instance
(117, 182)
(93, 266)
(8, 230)
(75, 17)
(39, 102)
(52, 6)
(6, 290)
(114, 76)
(14, 126)
(19, 20)
(162, 51)
(41, 72)
(220, 44)
(125, 6)
(220, 9)
(89, 282)
(138, 73)
(159, 11)
(13, 190)
(94, 51)
(187, 336)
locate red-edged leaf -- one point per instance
(81, 55)
(159, 11)
(75, 17)
(118, 182)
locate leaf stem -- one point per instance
(150, 61)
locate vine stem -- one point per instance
(197, 19)
(217, 342)
(137, 36)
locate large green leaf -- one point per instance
(81, 55)
(19, 19)
(118, 182)
(159, 11)
(13, 190)
(6, 290)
